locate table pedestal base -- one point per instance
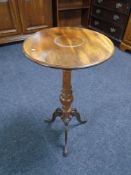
(66, 113)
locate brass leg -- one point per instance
(75, 113)
(57, 113)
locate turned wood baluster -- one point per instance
(66, 97)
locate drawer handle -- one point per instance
(112, 30)
(96, 23)
(116, 17)
(98, 11)
(100, 1)
(118, 5)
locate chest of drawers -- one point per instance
(110, 17)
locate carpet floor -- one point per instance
(29, 93)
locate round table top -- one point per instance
(68, 47)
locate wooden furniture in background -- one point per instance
(110, 17)
(126, 42)
(68, 48)
(9, 19)
(71, 12)
(18, 18)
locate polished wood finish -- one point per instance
(71, 13)
(68, 48)
(66, 97)
(13, 38)
(35, 15)
(9, 20)
(126, 42)
(18, 18)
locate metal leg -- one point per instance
(75, 113)
(65, 153)
(57, 113)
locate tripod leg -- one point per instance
(76, 114)
(57, 113)
(65, 153)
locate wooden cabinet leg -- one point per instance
(125, 47)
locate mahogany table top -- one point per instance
(68, 47)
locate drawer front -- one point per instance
(110, 16)
(114, 31)
(107, 28)
(98, 24)
(117, 5)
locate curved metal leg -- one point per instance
(75, 113)
(57, 113)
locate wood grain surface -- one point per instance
(68, 47)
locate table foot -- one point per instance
(57, 113)
(75, 113)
